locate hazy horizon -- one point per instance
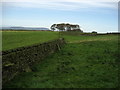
(91, 15)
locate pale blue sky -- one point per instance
(97, 15)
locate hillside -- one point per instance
(15, 39)
(85, 62)
(24, 28)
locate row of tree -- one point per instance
(66, 27)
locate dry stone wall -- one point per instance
(21, 59)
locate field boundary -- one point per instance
(22, 59)
(87, 34)
(90, 40)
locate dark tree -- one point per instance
(66, 27)
(94, 32)
(53, 27)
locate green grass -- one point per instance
(91, 63)
(78, 39)
(15, 39)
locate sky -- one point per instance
(91, 15)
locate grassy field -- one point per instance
(85, 62)
(15, 39)
(78, 39)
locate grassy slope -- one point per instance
(78, 39)
(88, 64)
(15, 39)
